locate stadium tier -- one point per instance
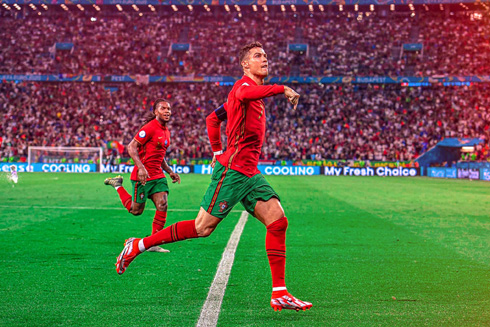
(368, 122)
(375, 84)
(300, 44)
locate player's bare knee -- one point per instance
(205, 223)
(279, 213)
(269, 211)
(205, 232)
(136, 212)
(162, 206)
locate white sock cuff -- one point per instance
(141, 246)
(275, 289)
(117, 187)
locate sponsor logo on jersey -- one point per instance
(142, 134)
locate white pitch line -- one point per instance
(95, 208)
(212, 307)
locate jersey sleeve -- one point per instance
(255, 92)
(213, 126)
(144, 135)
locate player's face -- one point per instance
(257, 62)
(163, 111)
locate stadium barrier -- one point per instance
(485, 174)
(230, 80)
(370, 171)
(441, 172)
(382, 171)
(125, 168)
(51, 167)
(468, 173)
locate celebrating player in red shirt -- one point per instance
(147, 149)
(236, 177)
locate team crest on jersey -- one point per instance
(222, 206)
(142, 134)
(142, 195)
(166, 142)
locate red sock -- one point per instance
(159, 221)
(275, 245)
(125, 198)
(177, 232)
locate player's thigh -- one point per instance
(157, 186)
(226, 189)
(160, 200)
(262, 201)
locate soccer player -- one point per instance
(147, 149)
(236, 177)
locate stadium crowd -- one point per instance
(363, 122)
(339, 45)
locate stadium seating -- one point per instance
(338, 45)
(343, 121)
(372, 122)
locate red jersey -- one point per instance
(155, 140)
(245, 129)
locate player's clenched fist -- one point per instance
(292, 96)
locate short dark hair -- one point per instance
(245, 50)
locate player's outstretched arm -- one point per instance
(255, 92)
(133, 152)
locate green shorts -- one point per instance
(229, 186)
(142, 192)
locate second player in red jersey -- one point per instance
(148, 149)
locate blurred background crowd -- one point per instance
(337, 121)
(367, 122)
(342, 45)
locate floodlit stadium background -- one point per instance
(388, 226)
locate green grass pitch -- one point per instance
(365, 251)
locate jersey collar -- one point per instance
(248, 80)
(160, 124)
